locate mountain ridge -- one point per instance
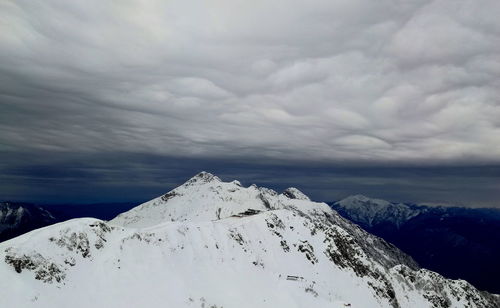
(454, 241)
(17, 218)
(261, 249)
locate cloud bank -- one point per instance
(391, 81)
(125, 177)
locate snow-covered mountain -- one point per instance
(370, 212)
(18, 218)
(210, 243)
(456, 242)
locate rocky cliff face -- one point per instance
(210, 243)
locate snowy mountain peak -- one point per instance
(220, 245)
(361, 200)
(359, 197)
(202, 178)
(294, 193)
(206, 198)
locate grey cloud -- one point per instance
(391, 81)
(58, 177)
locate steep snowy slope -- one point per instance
(215, 244)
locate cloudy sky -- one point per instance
(122, 100)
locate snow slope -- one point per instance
(213, 244)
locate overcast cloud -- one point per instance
(327, 80)
(358, 81)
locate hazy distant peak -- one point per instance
(369, 212)
(16, 218)
(363, 200)
(358, 197)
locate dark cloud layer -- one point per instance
(296, 83)
(115, 177)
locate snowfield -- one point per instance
(210, 243)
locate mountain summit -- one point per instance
(209, 243)
(205, 197)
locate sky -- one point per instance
(124, 100)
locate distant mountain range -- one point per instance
(17, 218)
(453, 241)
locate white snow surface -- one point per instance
(210, 243)
(206, 198)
